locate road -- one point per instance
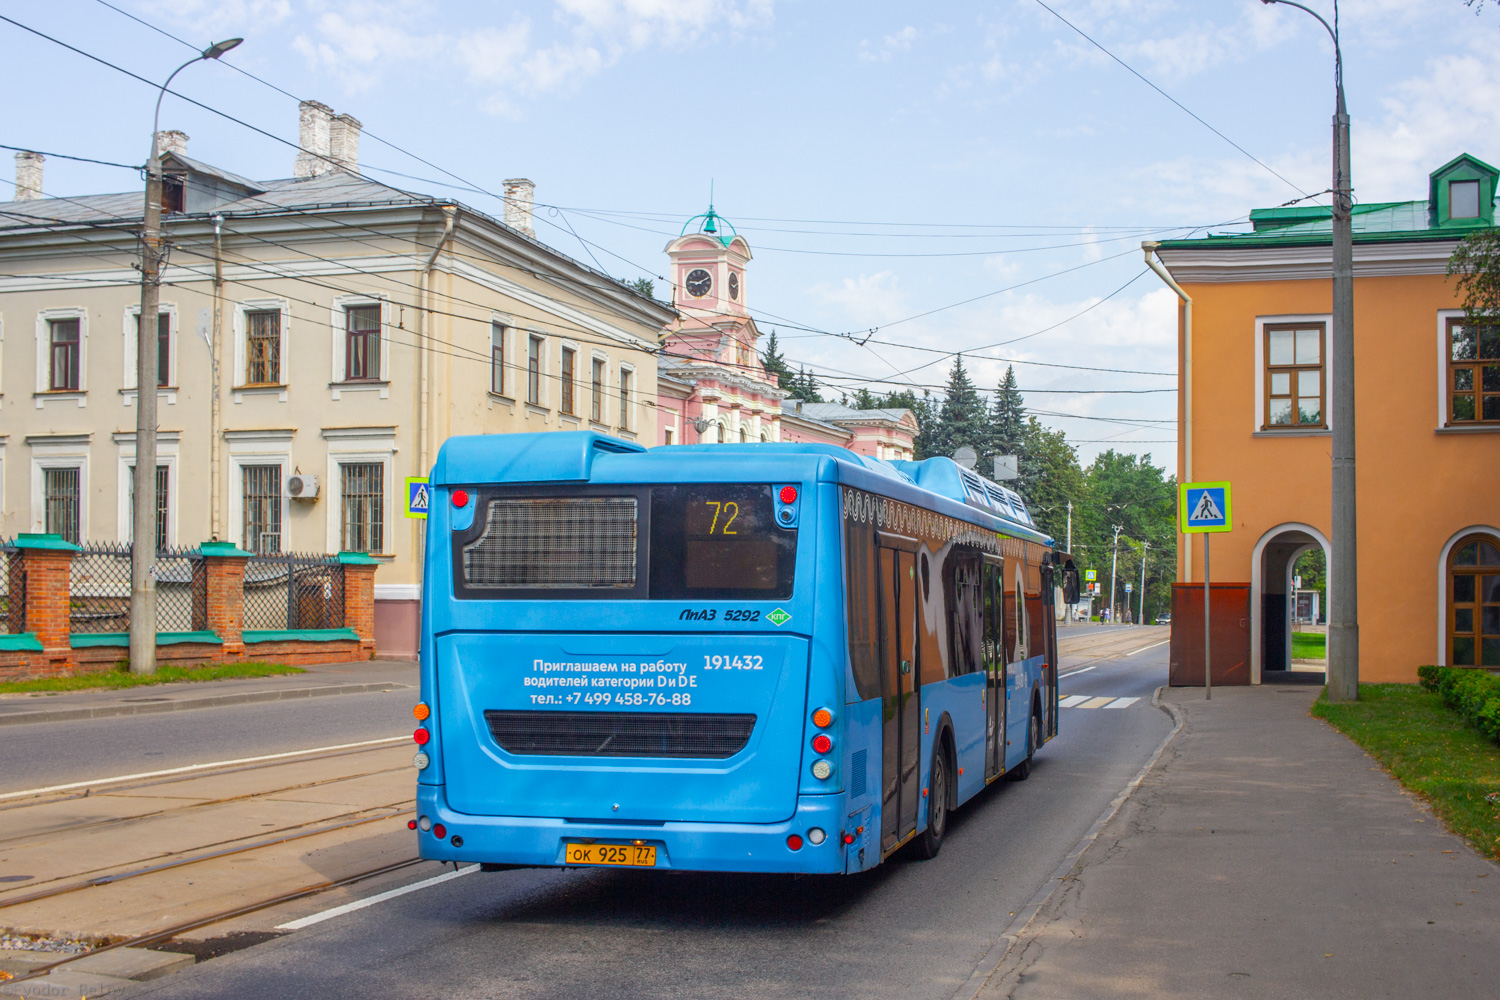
(908, 930)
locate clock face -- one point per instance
(734, 285)
(699, 282)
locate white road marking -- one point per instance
(199, 767)
(1080, 670)
(1122, 703)
(1152, 646)
(1096, 703)
(1074, 699)
(360, 904)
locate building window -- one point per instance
(569, 362)
(596, 405)
(63, 334)
(262, 508)
(263, 347)
(627, 377)
(1463, 199)
(1473, 373)
(163, 480)
(497, 359)
(362, 343)
(163, 346)
(60, 502)
(668, 438)
(534, 371)
(1294, 376)
(362, 490)
(1474, 603)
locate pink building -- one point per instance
(711, 385)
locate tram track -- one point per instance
(351, 819)
(167, 933)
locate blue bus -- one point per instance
(727, 657)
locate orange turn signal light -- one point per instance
(421, 711)
(822, 718)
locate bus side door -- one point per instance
(901, 712)
(992, 581)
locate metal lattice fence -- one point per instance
(100, 588)
(291, 590)
(11, 590)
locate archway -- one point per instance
(1271, 596)
(1469, 598)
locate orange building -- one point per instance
(1253, 409)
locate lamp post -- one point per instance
(1114, 563)
(1145, 547)
(1343, 578)
(143, 488)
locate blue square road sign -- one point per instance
(1205, 507)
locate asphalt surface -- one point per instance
(909, 929)
(59, 752)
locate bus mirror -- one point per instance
(1070, 586)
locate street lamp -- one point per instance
(1343, 579)
(143, 489)
(1114, 563)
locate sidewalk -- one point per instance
(320, 680)
(1264, 855)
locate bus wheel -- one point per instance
(931, 839)
(1022, 771)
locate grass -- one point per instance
(121, 677)
(1309, 646)
(1431, 751)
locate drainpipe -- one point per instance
(215, 447)
(450, 214)
(1187, 383)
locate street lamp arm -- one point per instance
(214, 51)
(1333, 33)
(1290, 3)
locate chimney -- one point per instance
(343, 143)
(29, 176)
(314, 138)
(171, 141)
(519, 193)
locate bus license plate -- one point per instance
(629, 855)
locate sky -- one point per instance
(913, 179)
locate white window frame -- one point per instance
(605, 394)
(508, 374)
(44, 318)
(629, 412)
(543, 397)
(129, 352)
(339, 332)
(241, 332)
(166, 454)
(61, 455)
(579, 355)
(1261, 322)
(372, 444)
(258, 448)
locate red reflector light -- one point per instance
(460, 498)
(794, 842)
(821, 743)
(848, 838)
(421, 736)
(411, 824)
(440, 831)
(789, 494)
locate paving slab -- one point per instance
(319, 680)
(139, 964)
(1265, 855)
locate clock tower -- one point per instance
(708, 268)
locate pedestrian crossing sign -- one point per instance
(1205, 507)
(418, 496)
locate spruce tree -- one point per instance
(963, 418)
(1008, 417)
(775, 363)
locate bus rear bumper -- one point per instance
(728, 847)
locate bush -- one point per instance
(1473, 694)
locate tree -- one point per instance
(1050, 478)
(1476, 261)
(645, 286)
(1008, 417)
(804, 386)
(963, 418)
(775, 363)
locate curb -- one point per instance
(990, 963)
(188, 704)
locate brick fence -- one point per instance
(37, 636)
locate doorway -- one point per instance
(900, 759)
(1286, 610)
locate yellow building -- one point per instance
(322, 335)
(1253, 410)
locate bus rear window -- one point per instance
(719, 541)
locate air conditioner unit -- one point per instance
(301, 487)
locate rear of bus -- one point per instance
(617, 657)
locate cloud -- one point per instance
(866, 300)
(901, 41)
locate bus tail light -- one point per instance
(424, 824)
(794, 842)
(822, 770)
(816, 836)
(460, 498)
(822, 718)
(789, 494)
(822, 743)
(420, 712)
(411, 824)
(440, 831)
(421, 736)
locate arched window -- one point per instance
(723, 432)
(1474, 603)
(743, 436)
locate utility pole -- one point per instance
(1114, 563)
(1142, 619)
(1343, 574)
(143, 487)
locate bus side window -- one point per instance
(1008, 619)
(1036, 635)
(861, 578)
(994, 616)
